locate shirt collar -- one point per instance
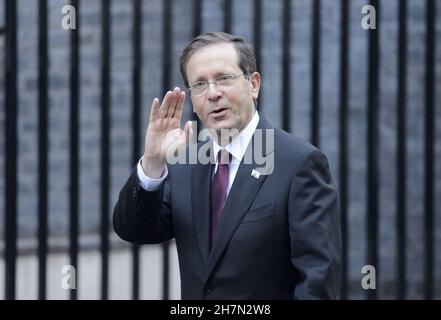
(239, 145)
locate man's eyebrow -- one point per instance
(199, 79)
(216, 75)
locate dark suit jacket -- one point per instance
(279, 237)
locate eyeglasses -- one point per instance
(225, 80)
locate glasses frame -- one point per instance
(215, 82)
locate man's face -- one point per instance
(229, 107)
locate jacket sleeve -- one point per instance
(314, 228)
(143, 217)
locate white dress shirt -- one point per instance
(236, 148)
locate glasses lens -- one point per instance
(226, 80)
(198, 88)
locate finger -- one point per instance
(164, 105)
(154, 110)
(188, 129)
(180, 106)
(173, 102)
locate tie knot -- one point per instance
(224, 157)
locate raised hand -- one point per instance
(164, 134)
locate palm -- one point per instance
(164, 134)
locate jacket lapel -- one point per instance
(200, 204)
(242, 194)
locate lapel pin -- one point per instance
(255, 174)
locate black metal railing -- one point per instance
(343, 140)
(373, 148)
(105, 143)
(43, 138)
(429, 160)
(136, 122)
(74, 150)
(401, 152)
(166, 82)
(11, 147)
(286, 62)
(9, 33)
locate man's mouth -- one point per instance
(219, 112)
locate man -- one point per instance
(241, 233)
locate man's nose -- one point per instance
(213, 92)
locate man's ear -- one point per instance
(255, 83)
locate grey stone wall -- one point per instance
(121, 135)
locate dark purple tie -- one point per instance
(219, 190)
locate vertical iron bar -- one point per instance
(136, 133)
(11, 134)
(105, 144)
(315, 79)
(42, 147)
(166, 81)
(228, 16)
(197, 17)
(286, 66)
(429, 160)
(373, 147)
(343, 140)
(401, 151)
(74, 145)
(197, 29)
(257, 43)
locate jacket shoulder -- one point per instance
(291, 146)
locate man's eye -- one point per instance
(199, 85)
(225, 77)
